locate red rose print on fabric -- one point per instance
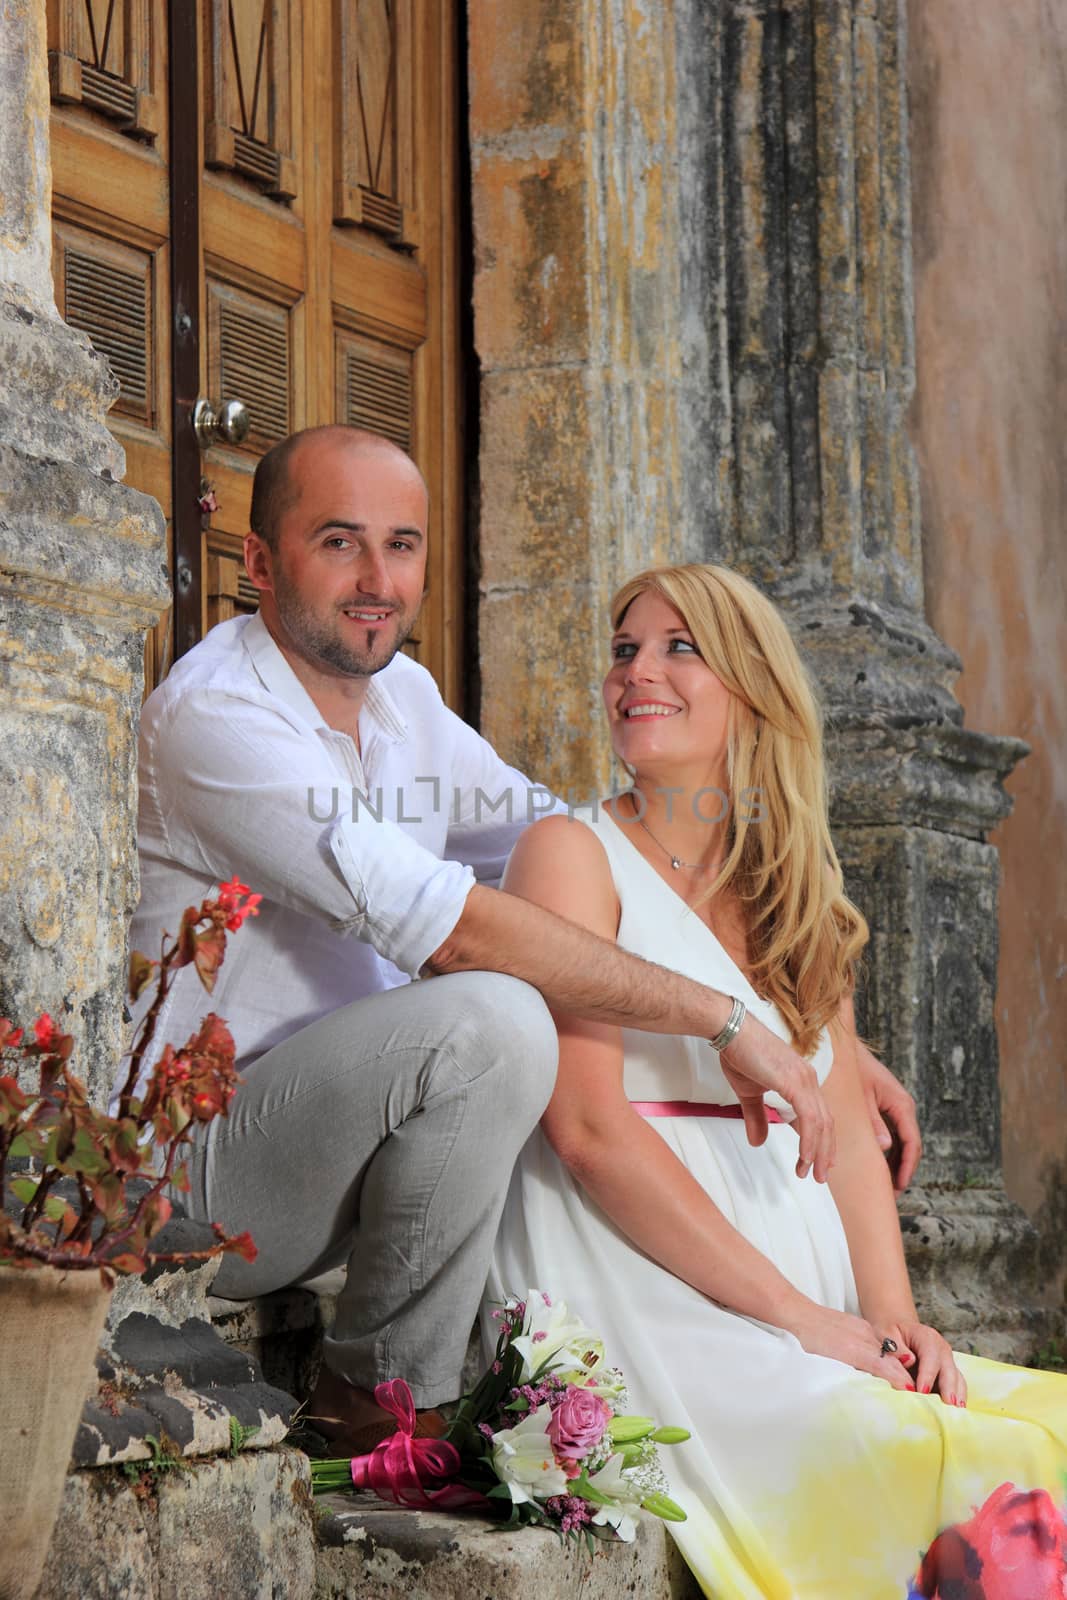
(1013, 1548)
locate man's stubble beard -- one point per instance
(308, 631)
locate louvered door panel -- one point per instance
(375, 388)
(102, 54)
(248, 125)
(106, 290)
(250, 359)
(229, 592)
(374, 132)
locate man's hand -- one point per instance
(758, 1060)
(887, 1098)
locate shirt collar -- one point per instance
(276, 675)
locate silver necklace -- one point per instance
(676, 861)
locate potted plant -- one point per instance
(72, 1220)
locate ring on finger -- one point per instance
(889, 1347)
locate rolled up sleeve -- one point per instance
(409, 911)
(233, 788)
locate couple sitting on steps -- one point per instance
(632, 1079)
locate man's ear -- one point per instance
(259, 563)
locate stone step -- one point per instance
(975, 1269)
(247, 1528)
(371, 1551)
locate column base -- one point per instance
(973, 1258)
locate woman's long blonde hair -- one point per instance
(804, 933)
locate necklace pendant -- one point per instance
(675, 863)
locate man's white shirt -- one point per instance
(364, 858)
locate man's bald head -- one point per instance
(276, 484)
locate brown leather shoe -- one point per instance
(350, 1417)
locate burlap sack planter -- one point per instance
(50, 1327)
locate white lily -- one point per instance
(523, 1459)
(550, 1333)
(582, 1377)
(611, 1480)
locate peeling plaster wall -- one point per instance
(988, 91)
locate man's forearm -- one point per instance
(574, 969)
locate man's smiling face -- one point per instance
(349, 565)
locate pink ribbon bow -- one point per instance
(404, 1469)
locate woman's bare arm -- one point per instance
(550, 944)
(623, 1163)
(862, 1187)
(892, 1111)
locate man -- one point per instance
(379, 1119)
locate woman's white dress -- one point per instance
(803, 1478)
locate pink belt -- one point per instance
(694, 1108)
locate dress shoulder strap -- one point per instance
(633, 878)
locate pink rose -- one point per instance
(578, 1423)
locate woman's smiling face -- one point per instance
(665, 705)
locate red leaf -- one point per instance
(210, 948)
(108, 1196)
(12, 1100)
(141, 970)
(123, 1148)
(126, 1262)
(185, 944)
(242, 1245)
(157, 1211)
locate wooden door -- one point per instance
(255, 200)
(111, 221)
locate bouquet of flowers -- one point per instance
(543, 1438)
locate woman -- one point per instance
(835, 1436)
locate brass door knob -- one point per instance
(220, 424)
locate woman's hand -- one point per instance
(929, 1357)
(758, 1060)
(855, 1341)
(892, 1111)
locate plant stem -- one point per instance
(84, 1226)
(113, 1239)
(33, 1210)
(147, 1030)
(54, 1257)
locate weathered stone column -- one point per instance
(81, 578)
(580, 241)
(813, 244)
(694, 316)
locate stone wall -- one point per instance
(81, 578)
(989, 157)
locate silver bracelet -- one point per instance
(732, 1028)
